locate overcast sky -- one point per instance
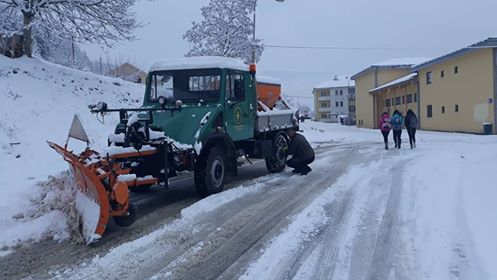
(392, 28)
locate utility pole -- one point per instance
(253, 29)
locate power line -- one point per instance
(297, 96)
(348, 48)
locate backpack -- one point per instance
(413, 121)
(397, 122)
(386, 124)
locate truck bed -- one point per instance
(275, 119)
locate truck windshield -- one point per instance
(186, 85)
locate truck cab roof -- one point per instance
(199, 62)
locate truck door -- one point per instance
(239, 110)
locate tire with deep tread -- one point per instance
(277, 162)
(129, 219)
(210, 175)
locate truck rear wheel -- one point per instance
(210, 176)
(277, 162)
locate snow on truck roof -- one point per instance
(199, 62)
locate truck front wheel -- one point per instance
(277, 162)
(210, 176)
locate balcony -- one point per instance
(324, 109)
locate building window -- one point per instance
(442, 74)
(388, 103)
(409, 98)
(341, 92)
(456, 108)
(397, 100)
(456, 70)
(341, 103)
(403, 99)
(415, 97)
(429, 111)
(428, 78)
(443, 109)
(336, 104)
(323, 116)
(336, 92)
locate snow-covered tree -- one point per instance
(226, 30)
(63, 52)
(97, 21)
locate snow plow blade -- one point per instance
(102, 193)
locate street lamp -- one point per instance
(253, 38)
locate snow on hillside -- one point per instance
(38, 101)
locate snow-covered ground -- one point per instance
(37, 102)
(445, 216)
(426, 213)
(363, 213)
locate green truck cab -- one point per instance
(204, 114)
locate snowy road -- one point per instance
(215, 238)
(363, 213)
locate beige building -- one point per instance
(458, 91)
(128, 72)
(400, 94)
(373, 77)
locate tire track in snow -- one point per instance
(387, 260)
(140, 259)
(324, 255)
(283, 257)
(333, 244)
(225, 261)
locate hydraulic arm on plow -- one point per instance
(105, 178)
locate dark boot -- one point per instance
(306, 170)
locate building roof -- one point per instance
(406, 62)
(126, 72)
(399, 81)
(199, 62)
(488, 43)
(337, 82)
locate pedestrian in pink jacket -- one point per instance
(385, 127)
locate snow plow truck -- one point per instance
(200, 114)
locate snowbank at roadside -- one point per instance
(38, 100)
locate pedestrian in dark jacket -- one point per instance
(411, 122)
(397, 122)
(301, 151)
(385, 127)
